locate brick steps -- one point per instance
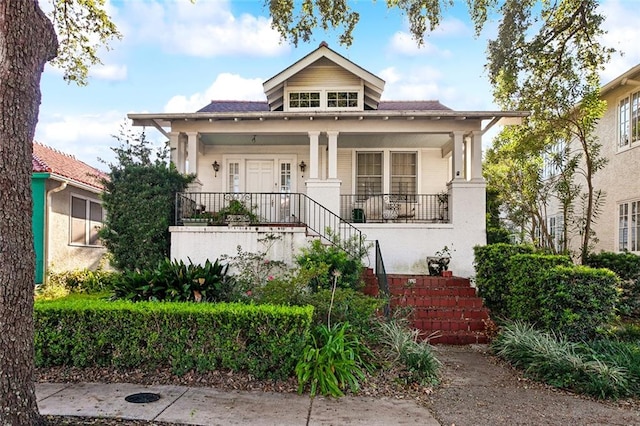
(445, 310)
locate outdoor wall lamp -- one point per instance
(302, 166)
(216, 168)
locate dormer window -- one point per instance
(304, 100)
(323, 100)
(342, 99)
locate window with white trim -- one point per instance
(404, 173)
(87, 217)
(234, 177)
(368, 174)
(556, 232)
(299, 100)
(629, 120)
(553, 160)
(342, 99)
(629, 226)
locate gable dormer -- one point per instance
(323, 81)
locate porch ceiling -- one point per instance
(346, 140)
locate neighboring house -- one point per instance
(67, 212)
(324, 151)
(617, 228)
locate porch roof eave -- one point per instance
(166, 119)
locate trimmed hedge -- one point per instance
(526, 271)
(492, 267)
(263, 340)
(577, 300)
(627, 267)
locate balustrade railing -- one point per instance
(408, 208)
(251, 208)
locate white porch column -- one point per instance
(192, 152)
(174, 147)
(313, 155)
(476, 155)
(457, 168)
(333, 154)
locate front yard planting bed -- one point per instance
(262, 340)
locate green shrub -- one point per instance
(333, 361)
(139, 199)
(492, 267)
(401, 346)
(264, 340)
(348, 306)
(627, 267)
(555, 360)
(341, 260)
(577, 301)
(526, 271)
(84, 280)
(176, 281)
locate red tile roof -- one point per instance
(47, 159)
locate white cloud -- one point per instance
(225, 87)
(109, 72)
(203, 29)
(402, 43)
(621, 18)
(452, 27)
(87, 137)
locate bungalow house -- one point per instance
(324, 152)
(617, 227)
(67, 212)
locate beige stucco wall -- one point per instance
(620, 179)
(63, 256)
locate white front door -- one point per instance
(260, 179)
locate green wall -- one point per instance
(39, 193)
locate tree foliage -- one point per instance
(548, 63)
(140, 204)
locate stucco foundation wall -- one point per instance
(200, 243)
(405, 248)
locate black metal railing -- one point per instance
(381, 275)
(266, 208)
(408, 208)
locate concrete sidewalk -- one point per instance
(209, 406)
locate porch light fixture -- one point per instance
(302, 166)
(216, 168)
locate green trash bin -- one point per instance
(357, 216)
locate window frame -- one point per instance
(363, 195)
(628, 235)
(412, 191)
(324, 98)
(88, 221)
(627, 122)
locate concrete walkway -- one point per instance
(209, 406)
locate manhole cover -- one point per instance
(142, 398)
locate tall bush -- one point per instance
(526, 271)
(492, 267)
(577, 301)
(627, 267)
(342, 259)
(140, 202)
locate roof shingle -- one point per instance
(47, 159)
(260, 106)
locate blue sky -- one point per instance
(176, 57)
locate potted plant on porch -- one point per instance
(438, 264)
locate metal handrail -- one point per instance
(381, 275)
(267, 208)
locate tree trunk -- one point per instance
(27, 42)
